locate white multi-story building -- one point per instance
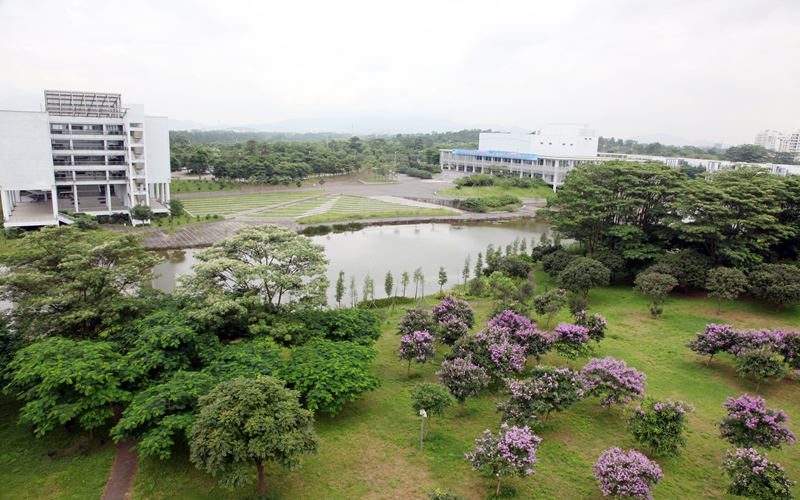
(547, 154)
(779, 141)
(84, 153)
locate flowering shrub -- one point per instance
(571, 341)
(463, 377)
(451, 329)
(417, 346)
(451, 305)
(756, 477)
(523, 332)
(788, 344)
(511, 453)
(626, 475)
(415, 320)
(500, 354)
(595, 324)
(715, 339)
(762, 362)
(753, 339)
(549, 389)
(659, 425)
(612, 381)
(750, 423)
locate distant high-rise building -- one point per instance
(778, 141)
(84, 153)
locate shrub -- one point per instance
(629, 474)
(416, 346)
(756, 477)
(435, 399)
(463, 378)
(659, 425)
(557, 261)
(549, 389)
(571, 341)
(416, 319)
(762, 362)
(549, 303)
(751, 423)
(596, 325)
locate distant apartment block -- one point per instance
(85, 153)
(547, 154)
(778, 141)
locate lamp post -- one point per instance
(422, 429)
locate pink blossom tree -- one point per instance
(612, 381)
(511, 453)
(756, 477)
(751, 423)
(715, 339)
(416, 346)
(524, 332)
(463, 377)
(571, 341)
(596, 325)
(549, 389)
(626, 474)
(659, 425)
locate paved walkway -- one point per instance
(126, 463)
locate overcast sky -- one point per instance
(719, 70)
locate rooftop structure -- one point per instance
(85, 153)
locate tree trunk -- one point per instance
(408, 371)
(497, 491)
(709, 360)
(261, 488)
(719, 306)
(462, 409)
(546, 417)
(91, 431)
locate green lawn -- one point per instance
(535, 193)
(357, 207)
(224, 205)
(371, 449)
(294, 210)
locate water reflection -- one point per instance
(377, 250)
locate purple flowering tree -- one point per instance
(751, 423)
(659, 425)
(571, 341)
(612, 381)
(626, 475)
(417, 346)
(596, 325)
(451, 305)
(549, 389)
(415, 320)
(463, 377)
(451, 329)
(715, 339)
(523, 332)
(761, 362)
(512, 452)
(500, 354)
(756, 477)
(788, 344)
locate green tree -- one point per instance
(776, 283)
(369, 288)
(442, 278)
(479, 265)
(724, 283)
(198, 161)
(388, 283)
(419, 278)
(466, 270)
(353, 292)
(260, 265)
(250, 421)
(77, 284)
(142, 213)
(330, 374)
(404, 281)
(746, 153)
(656, 286)
(62, 380)
(660, 425)
(549, 303)
(176, 209)
(582, 274)
(435, 399)
(339, 289)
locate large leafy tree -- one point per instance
(64, 281)
(267, 265)
(245, 422)
(735, 216)
(616, 204)
(724, 283)
(63, 380)
(582, 274)
(777, 283)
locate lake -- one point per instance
(379, 249)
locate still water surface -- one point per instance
(379, 249)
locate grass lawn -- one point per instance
(536, 193)
(294, 210)
(224, 205)
(60, 465)
(371, 449)
(357, 207)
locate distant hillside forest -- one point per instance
(746, 153)
(281, 158)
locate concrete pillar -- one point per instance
(75, 198)
(108, 196)
(166, 186)
(7, 205)
(54, 200)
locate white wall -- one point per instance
(156, 149)
(562, 146)
(26, 160)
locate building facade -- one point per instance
(547, 154)
(85, 153)
(779, 141)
